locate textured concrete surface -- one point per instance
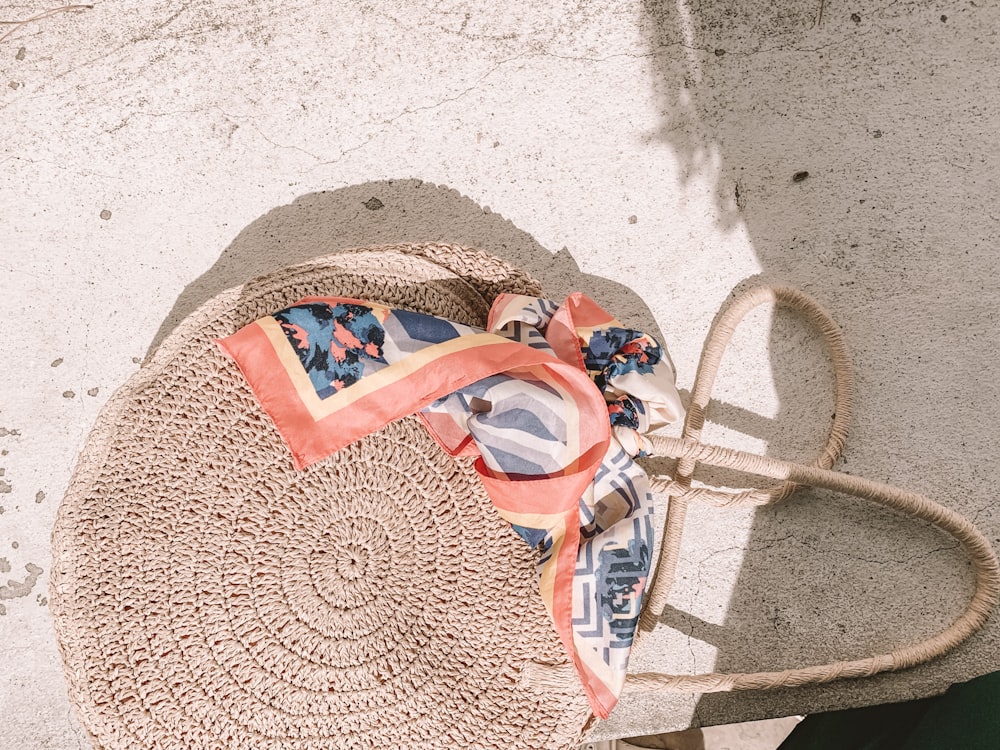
(156, 152)
(751, 735)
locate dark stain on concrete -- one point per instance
(4, 432)
(39, 496)
(20, 54)
(4, 565)
(800, 176)
(68, 394)
(105, 214)
(93, 391)
(17, 589)
(373, 204)
(740, 196)
(6, 487)
(56, 362)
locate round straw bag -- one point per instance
(207, 595)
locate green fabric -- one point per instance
(966, 717)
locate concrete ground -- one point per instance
(751, 735)
(652, 154)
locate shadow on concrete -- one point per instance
(835, 144)
(388, 212)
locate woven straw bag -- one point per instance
(207, 595)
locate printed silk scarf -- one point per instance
(554, 402)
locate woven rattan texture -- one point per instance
(207, 595)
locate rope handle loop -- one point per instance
(689, 451)
(680, 488)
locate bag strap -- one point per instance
(680, 487)
(682, 490)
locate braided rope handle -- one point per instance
(679, 488)
(689, 451)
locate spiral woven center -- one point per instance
(350, 562)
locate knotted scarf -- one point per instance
(553, 400)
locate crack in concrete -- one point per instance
(760, 546)
(274, 143)
(877, 561)
(979, 512)
(387, 124)
(237, 120)
(690, 638)
(169, 21)
(174, 113)
(460, 32)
